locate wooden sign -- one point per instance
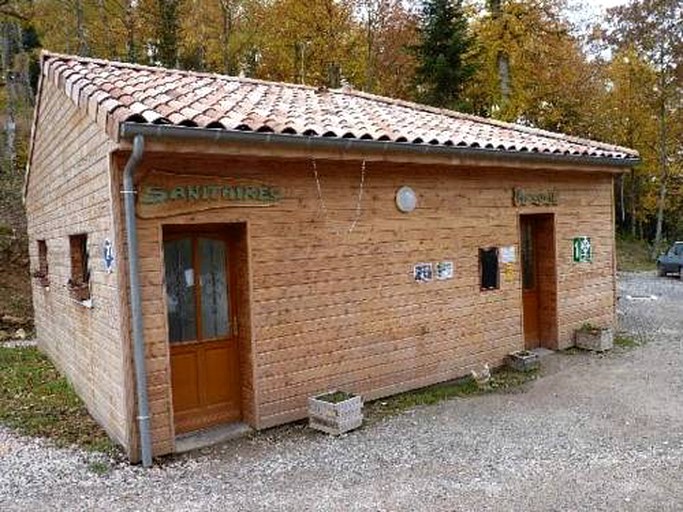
(163, 194)
(522, 197)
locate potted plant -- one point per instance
(523, 360)
(42, 278)
(335, 412)
(591, 337)
(78, 290)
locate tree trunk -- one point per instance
(105, 27)
(634, 200)
(504, 78)
(229, 64)
(10, 121)
(622, 208)
(370, 45)
(80, 30)
(663, 178)
(130, 30)
(502, 59)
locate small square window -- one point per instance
(488, 268)
(79, 284)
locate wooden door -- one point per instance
(202, 331)
(539, 286)
(530, 287)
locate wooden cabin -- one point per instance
(291, 240)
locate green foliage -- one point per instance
(625, 341)
(633, 255)
(443, 70)
(100, 468)
(589, 327)
(335, 397)
(551, 84)
(167, 27)
(502, 379)
(35, 400)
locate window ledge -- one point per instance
(86, 303)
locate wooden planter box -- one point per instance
(523, 361)
(598, 339)
(335, 412)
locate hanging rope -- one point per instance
(360, 198)
(318, 187)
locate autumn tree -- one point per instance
(390, 28)
(164, 17)
(626, 119)
(531, 69)
(445, 40)
(302, 42)
(501, 54)
(654, 29)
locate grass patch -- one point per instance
(572, 351)
(502, 379)
(36, 400)
(99, 468)
(634, 255)
(625, 341)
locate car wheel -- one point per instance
(660, 270)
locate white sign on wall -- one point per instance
(108, 256)
(508, 254)
(444, 270)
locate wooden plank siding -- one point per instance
(69, 192)
(332, 300)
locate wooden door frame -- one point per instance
(240, 296)
(546, 281)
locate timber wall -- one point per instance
(69, 192)
(333, 301)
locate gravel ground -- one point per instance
(595, 432)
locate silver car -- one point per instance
(671, 262)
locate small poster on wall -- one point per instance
(583, 250)
(444, 270)
(508, 254)
(108, 256)
(509, 272)
(422, 272)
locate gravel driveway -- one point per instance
(596, 432)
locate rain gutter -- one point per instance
(135, 299)
(130, 130)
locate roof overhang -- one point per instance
(181, 139)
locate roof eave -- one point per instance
(311, 143)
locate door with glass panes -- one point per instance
(202, 332)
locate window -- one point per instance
(79, 284)
(41, 272)
(488, 268)
(197, 294)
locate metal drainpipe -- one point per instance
(135, 301)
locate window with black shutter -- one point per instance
(488, 268)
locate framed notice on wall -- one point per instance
(582, 250)
(444, 270)
(423, 272)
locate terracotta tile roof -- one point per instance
(115, 93)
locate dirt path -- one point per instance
(596, 432)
